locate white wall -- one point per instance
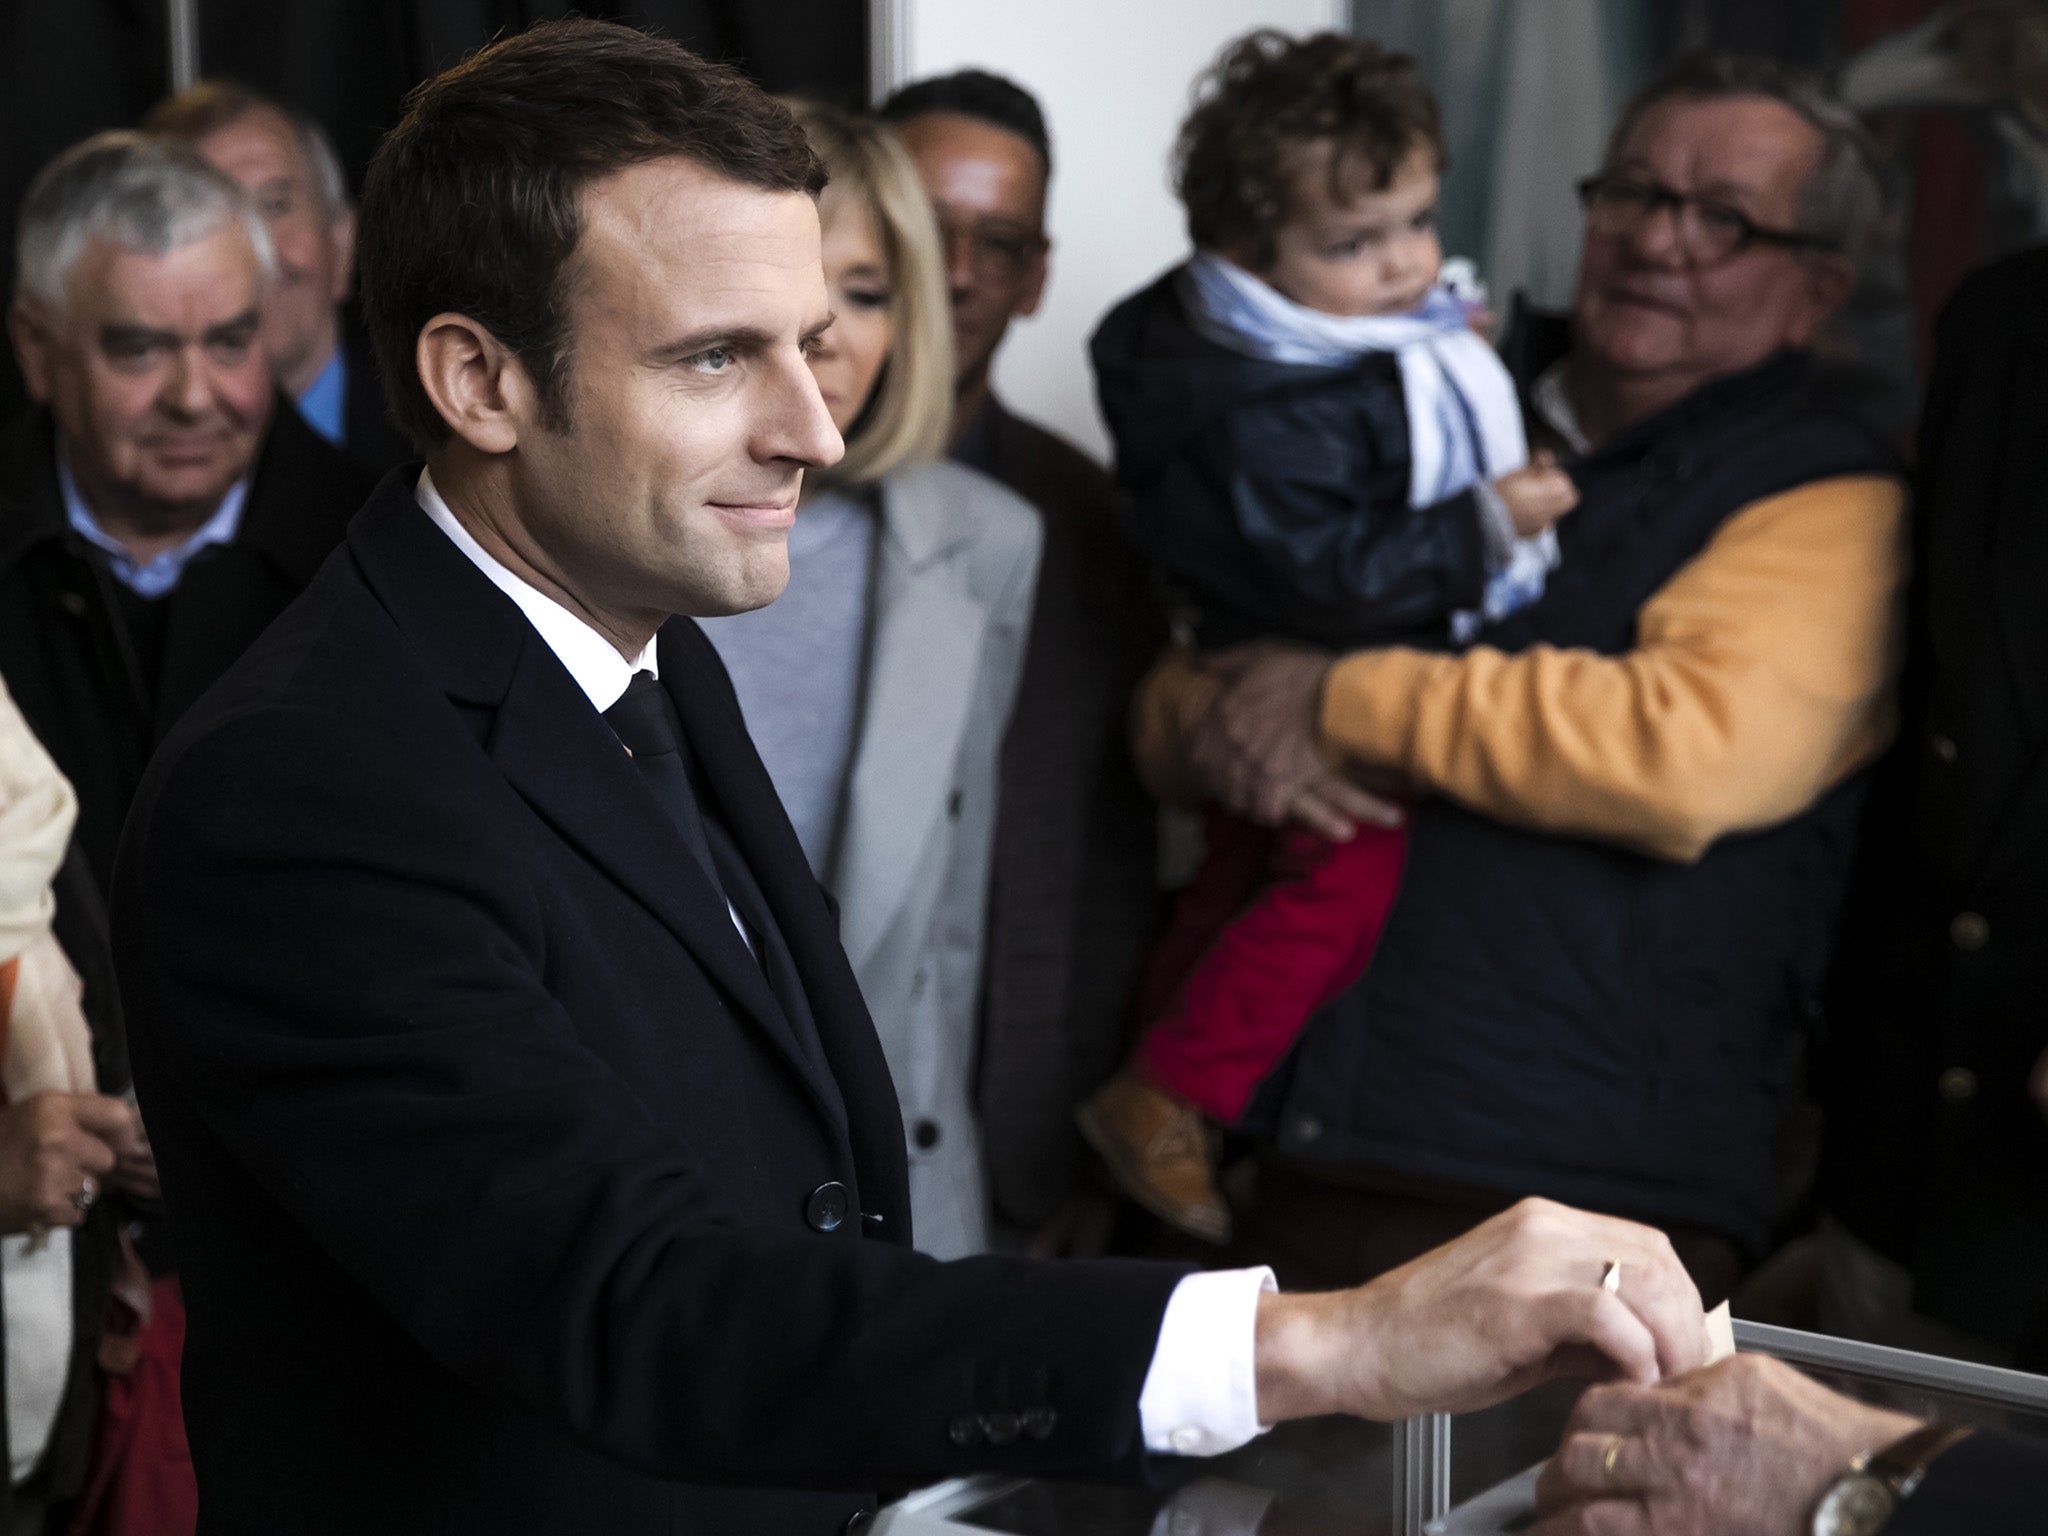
(1113, 77)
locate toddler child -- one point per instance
(1315, 446)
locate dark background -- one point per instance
(69, 68)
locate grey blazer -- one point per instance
(956, 565)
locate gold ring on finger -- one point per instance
(1609, 1457)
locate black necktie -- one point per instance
(645, 720)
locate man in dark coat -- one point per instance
(1935, 1073)
(532, 1160)
(1074, 897)
(1635, 797)
(161, 505)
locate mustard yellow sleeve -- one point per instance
(1762, 675)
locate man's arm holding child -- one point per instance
(1762, 675)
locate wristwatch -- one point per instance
(1862, 1499)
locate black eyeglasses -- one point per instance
(995, 250)
(1709, 230)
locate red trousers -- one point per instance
(1274, 926)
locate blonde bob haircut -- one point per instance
(909, 416)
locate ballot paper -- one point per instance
(1508, 1507)
(1720, 1335)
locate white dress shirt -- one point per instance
(1199, 1397)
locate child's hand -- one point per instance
(1537, 495)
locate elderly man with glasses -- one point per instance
(1632, 802)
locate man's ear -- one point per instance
(1830, 283)
(1033, 291)
(342, 231)
(28, 329)
(477, 383)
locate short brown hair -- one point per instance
(1268, 97)
(473, 203)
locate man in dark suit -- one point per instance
(531, 1157)
(318, 349)
(1075, 898)
(1934, 1173)
(157, 508)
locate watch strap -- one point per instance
(1902, 1464)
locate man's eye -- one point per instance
(868, 298)
(128, 354)
(711, 360)
(1424, 221)
(231, 350)
(276, 206)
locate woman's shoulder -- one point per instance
(968, 501)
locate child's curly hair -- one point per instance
(1268, 96)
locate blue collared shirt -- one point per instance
(325, 402)
(163, 573)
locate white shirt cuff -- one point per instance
(1201, 1394)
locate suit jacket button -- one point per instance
(1001, 1427)
(1958, 1085)
(1039, 1423)
(826, 1209)
(964, 1431)
(925, 1134)
(1969, 932)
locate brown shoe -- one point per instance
(1157, 1149)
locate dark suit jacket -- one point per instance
(1935, 1153)
(1992, 1484)
(1074, 895)
(493, 1166)
(62, 646)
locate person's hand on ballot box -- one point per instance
(1539, 1291)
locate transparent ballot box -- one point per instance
(1471, 1475)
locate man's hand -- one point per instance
(135, 1164)
(50, 1145)
(1510, 1304)
(1743, 1449)
(1254, 747)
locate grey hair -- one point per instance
(1840, 202)
(142, 192)
(319, 151)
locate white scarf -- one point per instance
(1464, 422)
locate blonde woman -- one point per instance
(877, 687)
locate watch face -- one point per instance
(1855, 1506)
